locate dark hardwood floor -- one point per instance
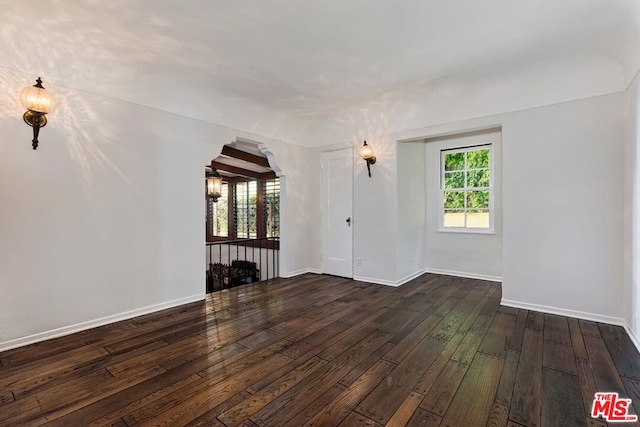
(324, 351)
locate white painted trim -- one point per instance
(376, 281)
(72, 329)
(300, 272)
(477, 130)
(634, 339)
(421, 272)
(410, 277)
(565, 312)
(462, 274)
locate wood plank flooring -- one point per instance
(326, 351)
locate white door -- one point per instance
(337, 221)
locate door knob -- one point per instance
(349, 221)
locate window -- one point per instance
(245, 209)
(466, 189)
(271, 199)
(220, 213)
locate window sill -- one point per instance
(488, 232)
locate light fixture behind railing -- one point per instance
(39, 102)
(214, 184)
(366, 152)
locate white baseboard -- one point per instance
(462, 274)
(375, 281)
(396, 283)
(300, 272)
(410, 277)
(390, 282)
(565, 312)
(71, 329)
(634, 338)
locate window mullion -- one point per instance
(247, 217)
(233, 217)
(246, 210)
(466, 157)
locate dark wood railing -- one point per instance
(238, 262)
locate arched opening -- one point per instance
(243, 216)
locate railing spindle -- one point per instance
(238, 271)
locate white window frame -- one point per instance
(490, 229)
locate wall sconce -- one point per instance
(38, 101)
(214, 184)
(366, 152)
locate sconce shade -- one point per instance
(39, 102)
(214, 185)
(366, 152)
(37, 98)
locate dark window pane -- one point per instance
(272, 207)
(252, 211)
(220, 213)
(245, 209)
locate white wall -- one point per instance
(374, 213)
(631, 293)
(561, 205)
(107, 216)
(411, 210)
(463, 254)
(562, 199)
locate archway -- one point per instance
(243, 216)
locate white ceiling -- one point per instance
(301, 58)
